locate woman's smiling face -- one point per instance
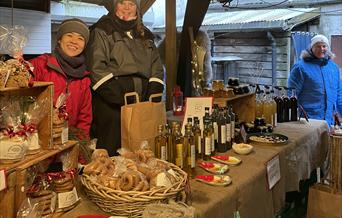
(72, 44)
(126, 10)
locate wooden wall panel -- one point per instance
(256, 52)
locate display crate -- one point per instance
(243, 105)
(12, 197)
(40, 90)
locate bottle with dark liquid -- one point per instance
(232, 122)
(196, 129)
(221, 123)
(294, 105)
(214, 116)
(207, 140)
(280, 103)
(228, 127)
(286, 105)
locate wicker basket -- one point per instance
(133, 203)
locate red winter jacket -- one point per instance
(46, 68)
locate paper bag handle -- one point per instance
(154, 96)
(129, 94)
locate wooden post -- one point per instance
(170, 50)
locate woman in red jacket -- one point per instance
(66, 68)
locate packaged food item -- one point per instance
(215, 180)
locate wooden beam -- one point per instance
(145, 5)
(170, 50)
(194, 15)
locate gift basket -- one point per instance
(126, 184)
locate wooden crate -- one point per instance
(243, 105)
(41, 90)
(16, 192)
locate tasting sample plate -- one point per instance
(212, 167)
(227, 159)
(215, 180)
(268, 138)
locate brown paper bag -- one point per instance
(139, 121)
(323, 203)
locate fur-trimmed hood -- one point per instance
(308, 54)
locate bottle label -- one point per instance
(199, 144)
(212, 143)
(192, 156)
(215, 130)
(275, 119)
(290, 112)
(232, 129)
(223, 134)
(207, 145)
(179, 155)
(163, 152)
(228, 132)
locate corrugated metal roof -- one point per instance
(283, 19)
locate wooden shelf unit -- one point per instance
(243, 105)
(16, 174)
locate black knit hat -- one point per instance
(110, 5)
(73, 25)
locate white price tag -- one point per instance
(67, 199)
(65, 135)
(273, 171)
(3, 184)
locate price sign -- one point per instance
(273, 171)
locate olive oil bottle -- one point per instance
(160, 143)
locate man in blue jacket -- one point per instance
(316, 78)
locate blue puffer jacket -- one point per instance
(318, 86)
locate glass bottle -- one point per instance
(280, 105)
(207, 140)
(294, 106)
(259, 104)
(172, 143)
(286, 106)
(232, 122)
(222, 132)
(267, 108)
(160, 143)
(274, 108)
(189, 144)
(228, 128)
(198, 138)
(180, 150)
(214, 116)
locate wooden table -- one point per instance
(249, 193)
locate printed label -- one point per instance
(67, 199)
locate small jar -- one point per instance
(233, 81)
(217, 85)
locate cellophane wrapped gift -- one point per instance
(34, 112)
(13, 72)
(60, 129)
(13, 141)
